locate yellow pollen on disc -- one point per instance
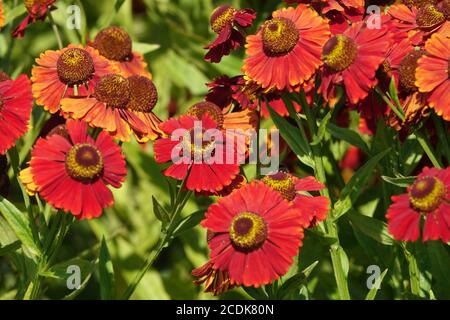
(427, 193)
(221, 17)
(75, 67)
(113, 90)
(84, 162)
(248, 231)
(429, 16)
(283, 183)
(193, 141)
(280, 36)
(339, 52)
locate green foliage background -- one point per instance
(172, 34)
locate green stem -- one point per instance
(55, 31)
(180, 202)
(426, 146)
(341, 278)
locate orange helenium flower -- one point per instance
(72, 173)
(115, 44)
(286, 50)
(120, 106)
(2, 15)
(432, 74)
(71, 71)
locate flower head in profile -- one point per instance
(428, 199)
(71, 71)
(421, 19)
(214, 280)
(115, 44)
(255, 234)
(72, 171)
(313, 209)
(16, 102)
(432, 75)
(197, 151)
(352, 59)
(227, 23)
(37, 10)
(286, 50)
(120, 106)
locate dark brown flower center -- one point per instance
(114, 43)
(248, 231)
(143, 94)
(209, 108)
(113, 90)
(75, 67)
(280, 36)
(417, 3)
(407, 70)
(339, 52)
(4, 76)
(445, 8)
(84, 162)
(221, 17)
(429, 16)
(427, 194)
(283, 183)
(59, 130)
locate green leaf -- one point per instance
(60, 270)
(256, 293)
(295, 282)
(188, 222)
(292, 137)
(160, 213)
(373, 292)
(354, 187)
(106, 272)
(440, 261)
(349, 136)
(393, 93)
(145, 48)
(371, 227)
(402, 182)
(9, 248)
(20, 225)
(322, 128)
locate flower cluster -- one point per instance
(391, 68)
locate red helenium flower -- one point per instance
(286, 50)
(16, 102)
(37, 10)
(224, 21)
(352, 59)
(255, 234)
(312, 209)
(203, 172)
(72, 172)
(427, 198)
